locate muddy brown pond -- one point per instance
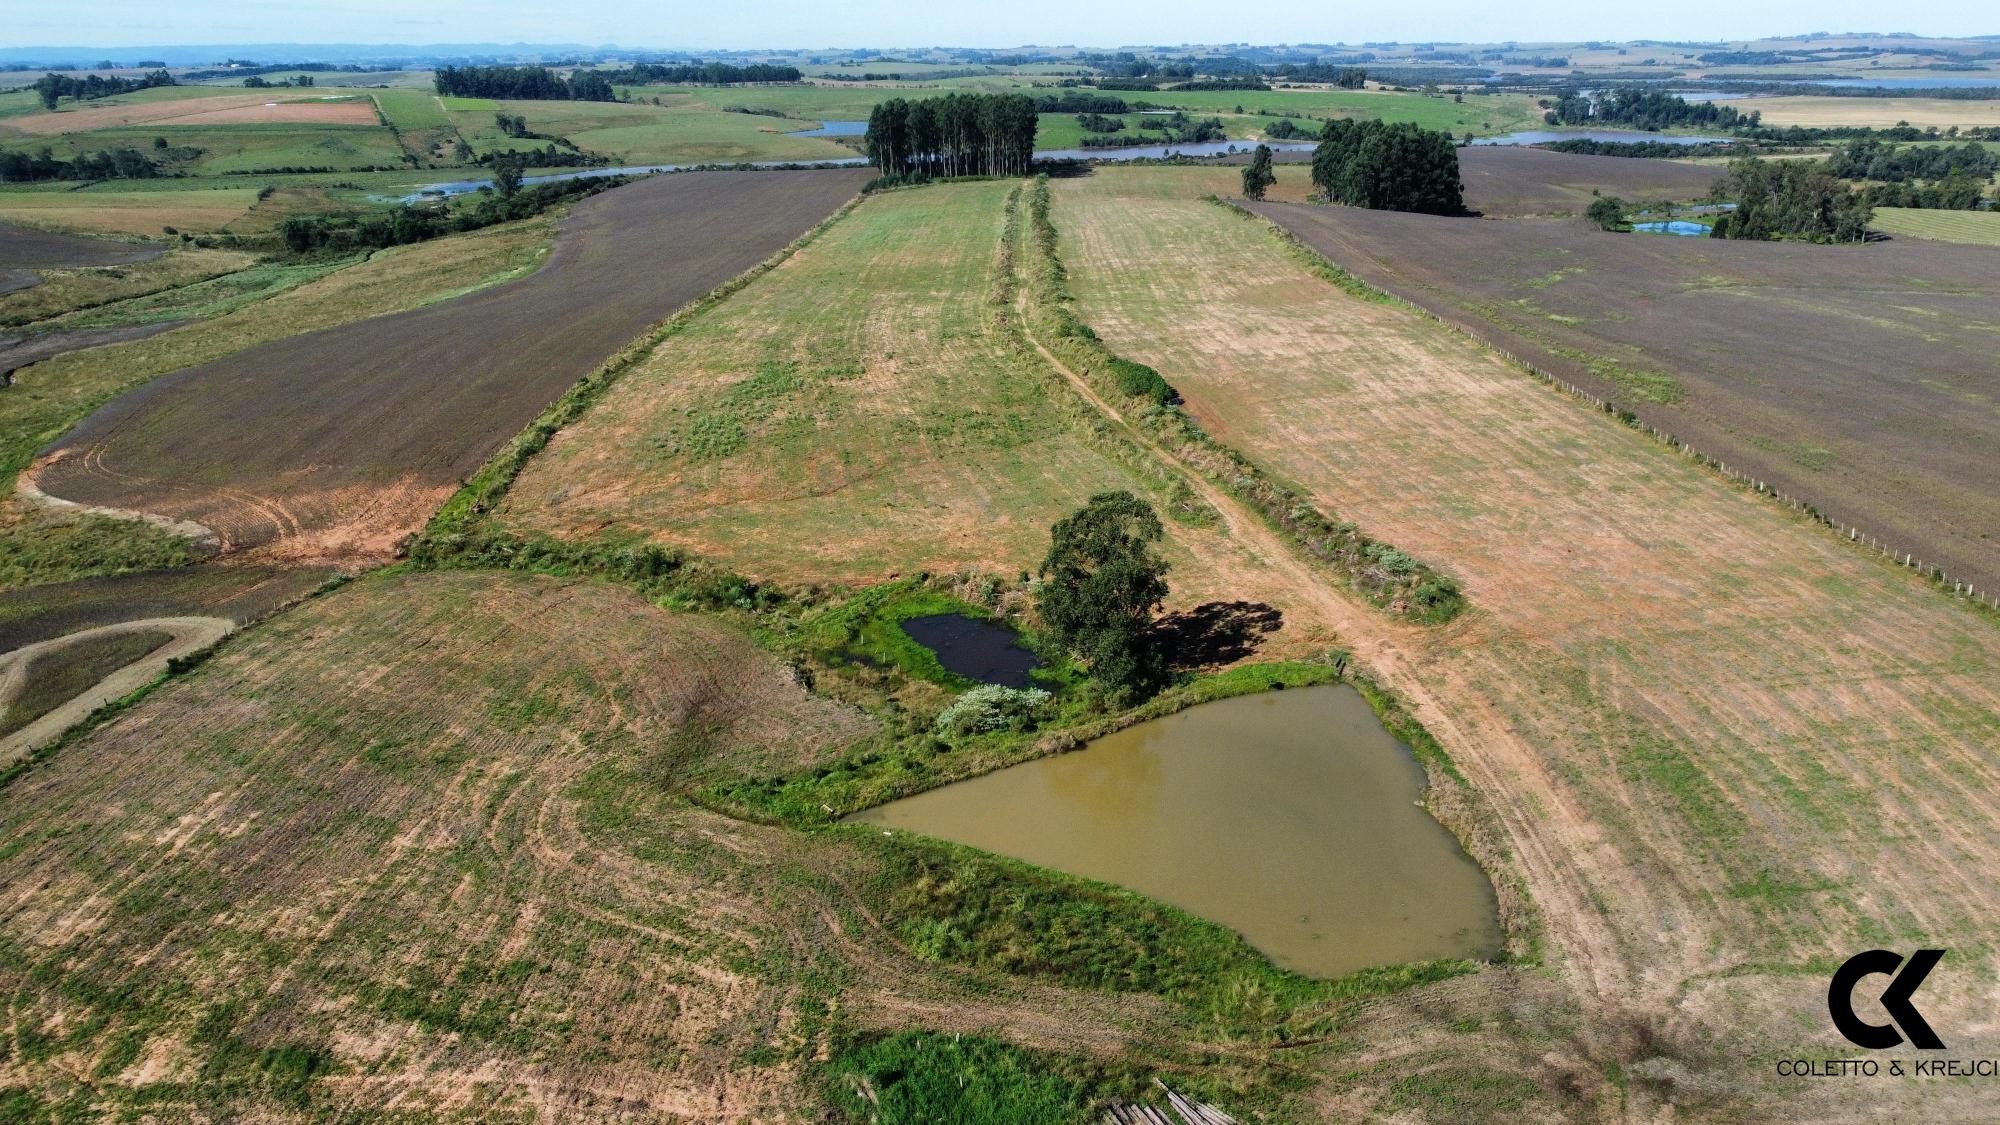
(1290, 817)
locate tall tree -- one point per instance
(1101, 585)
(1257, 175)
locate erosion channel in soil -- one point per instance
(1291, 817)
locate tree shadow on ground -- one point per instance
(1214, 633)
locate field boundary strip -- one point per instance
(1328, 270)
(478, 496)
(1388, 578)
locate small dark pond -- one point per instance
(977, 650)
(835, 129)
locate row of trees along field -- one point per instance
(54, 87)
(701, 74)
(1875, 160)
(1642, 108)
(955, 135)
(1345, 77)
(1791, 199)
(528, 83)
(1384, 167)
(111, 164)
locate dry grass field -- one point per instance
(142, 213)
(1728, 749)
(423, 842)
(209, 108)
(341, 442)
(1878, 113)
(866, 411)
(327, 109)
(1859, 378)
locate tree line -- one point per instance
(524, 83)
(955, 135)
(1400, 167)
(110, 164)
(1871, 159)
(1078, 102)
(1643, 108)
(52, 88)
(1664, 150)
(1345, 77)
(702, 74)
(307, 234)
(1175, 128)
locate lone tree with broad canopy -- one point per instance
(1257, 175)
(1607, 212)
(1102, 584)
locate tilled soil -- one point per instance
(17, 352)
(341, 442)
(22, 248)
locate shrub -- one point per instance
(1141, 381)
(990, 708)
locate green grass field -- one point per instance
(643, 133)
(1979, 228)
(861, 392)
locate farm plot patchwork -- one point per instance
(865, 411)
(1729, 749)
(341, 442)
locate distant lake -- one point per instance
(836, 129)
(1673, 226)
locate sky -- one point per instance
(903, 23)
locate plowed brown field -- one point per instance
(22, 248)
(1729, 749)
(341, 442)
